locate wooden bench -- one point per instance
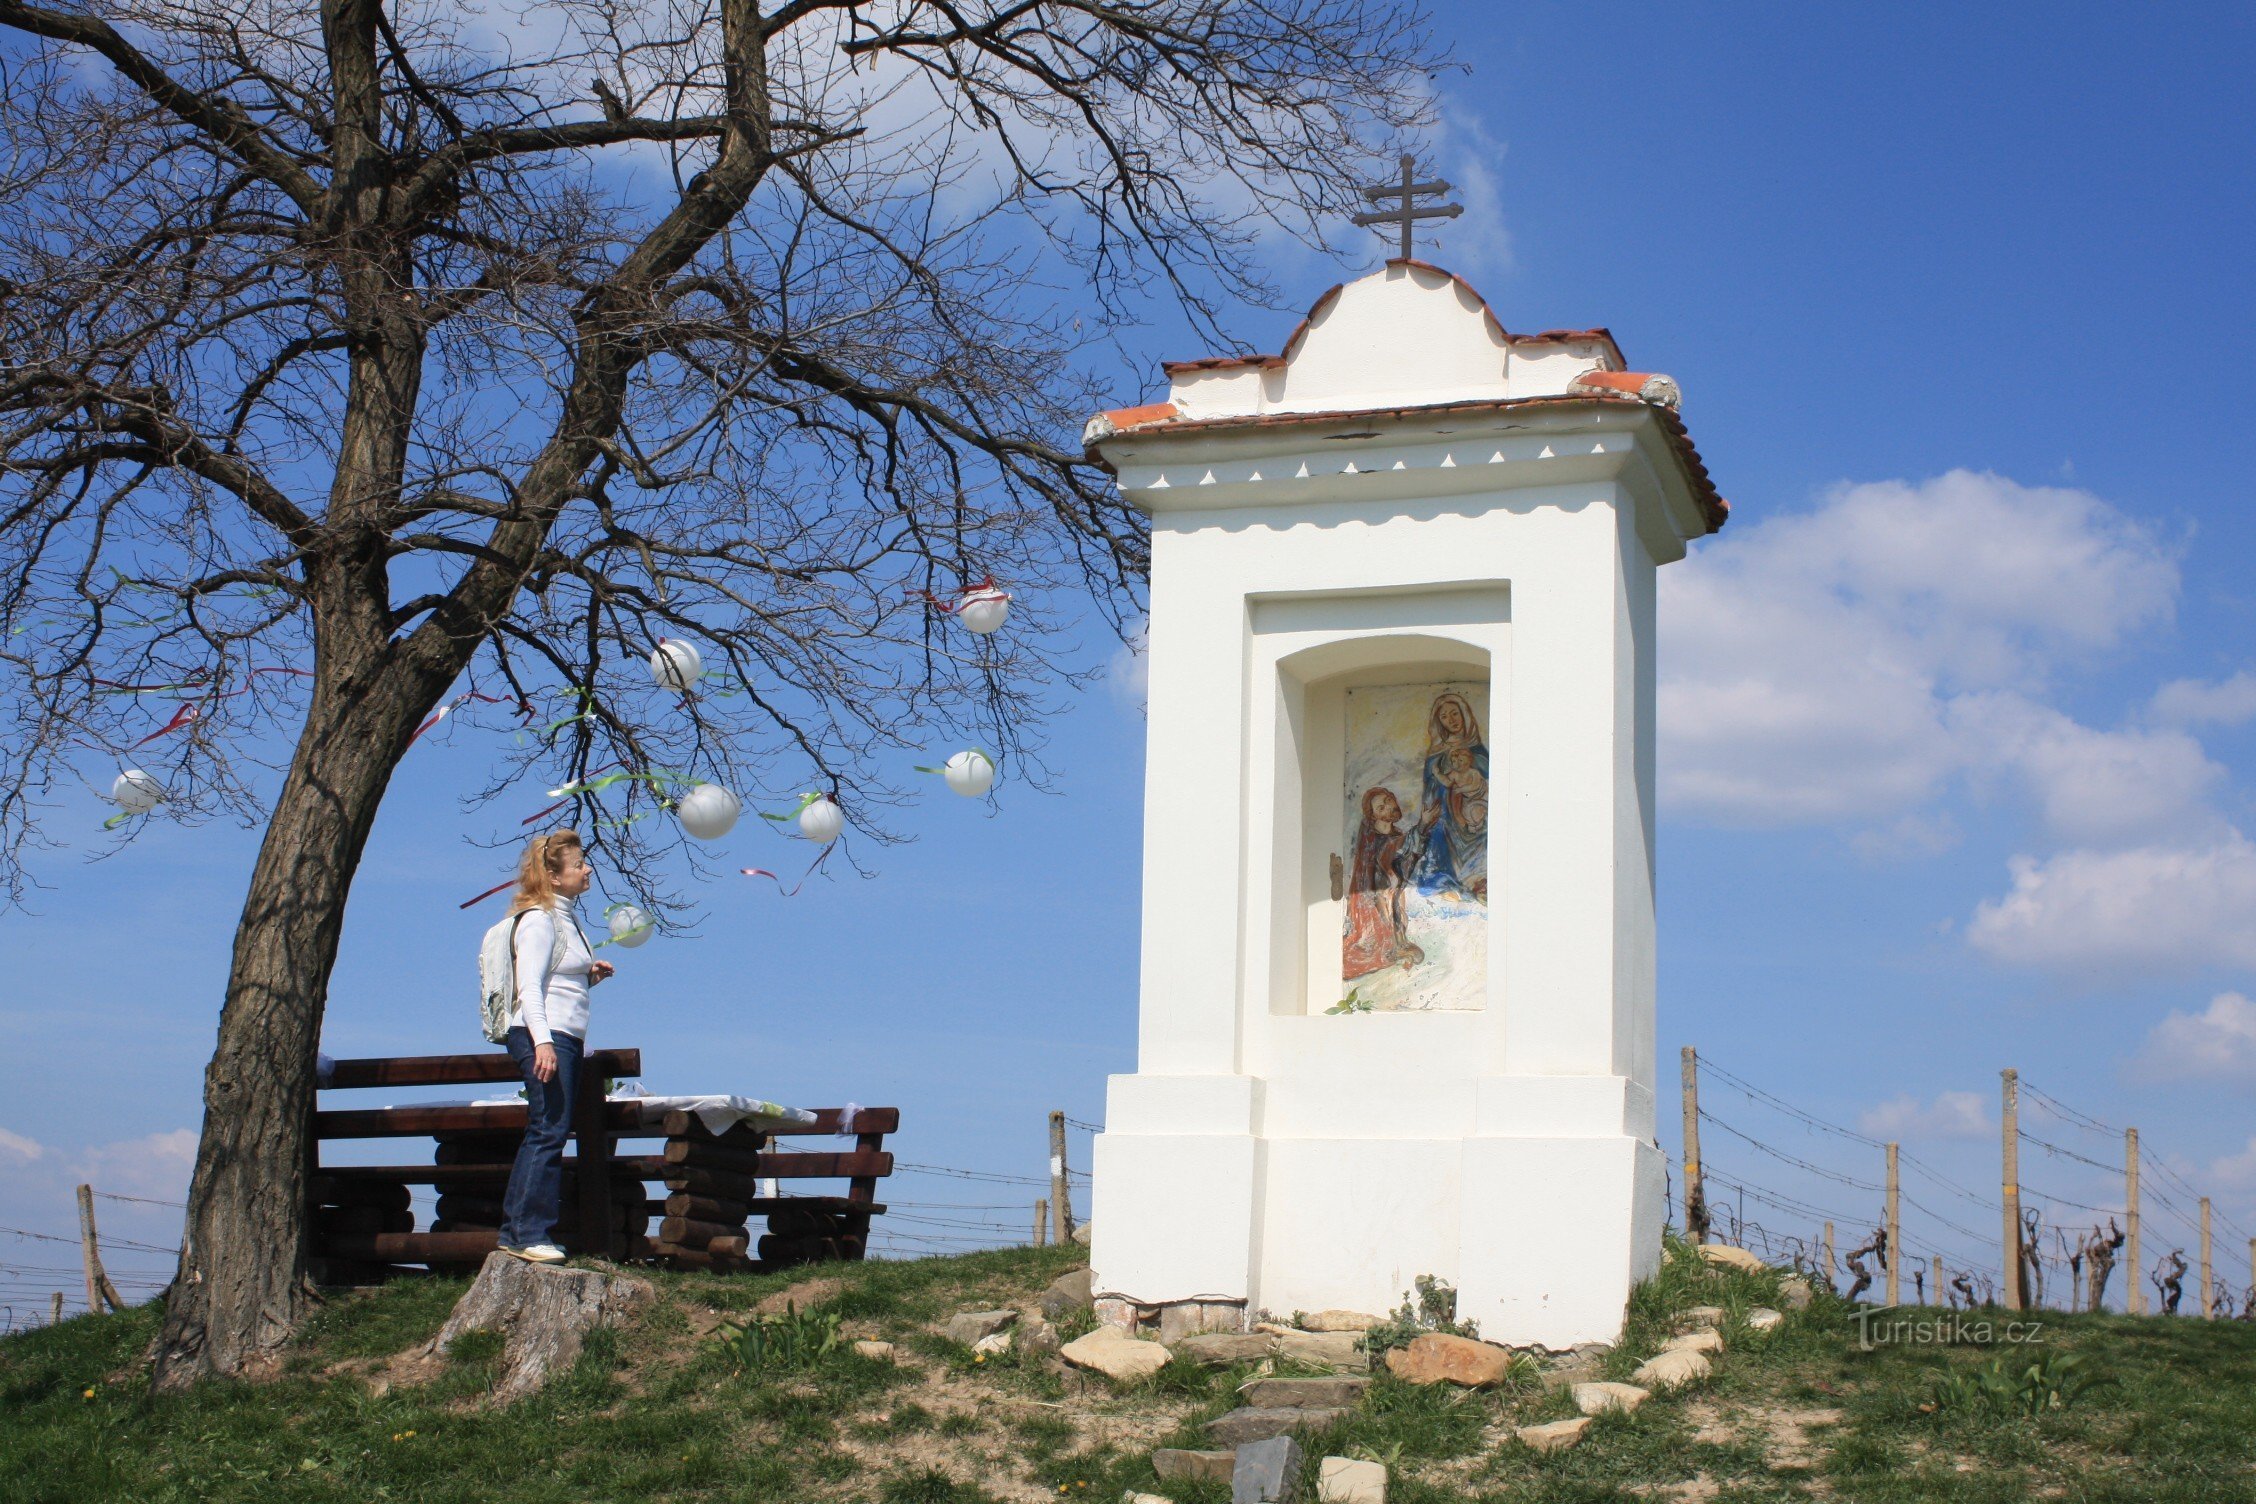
(362, 1227)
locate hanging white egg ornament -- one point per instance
(708, 811)
(630, 926)
(676, 665)
(983, 608)
(136, 792)
(821, 821)
(970, 773)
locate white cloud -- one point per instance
(1846, 665)
(1129, 671)
(2233, 1172)
(2216, 1044)
(1953, 1114)
(2164, 907)
(17, 1144)
(2092, 787)
(2196, 702)
(156, 1165)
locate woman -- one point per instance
(1452, 833)
(1375, 939)
(547, 1034)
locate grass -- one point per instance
(667, 1411)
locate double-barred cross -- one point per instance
(1407, 211)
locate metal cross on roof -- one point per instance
(1407, 211)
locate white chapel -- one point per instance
(1397, 995)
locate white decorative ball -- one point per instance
(983, 610)
(630, 926)
(136, 792)
(676, 665)
(708, 811)
(969, 773)
(821, 821)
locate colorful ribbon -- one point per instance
(793, 890)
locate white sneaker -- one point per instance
(540, 1253)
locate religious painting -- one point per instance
(1416, 928)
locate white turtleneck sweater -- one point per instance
(552, 1002)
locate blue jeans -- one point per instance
(534, 1200)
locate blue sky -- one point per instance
(1956, 765)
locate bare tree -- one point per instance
(2032, 1259)
(2099, 1253)
(358, 363)
(2169, 1280)
(1877, 1243)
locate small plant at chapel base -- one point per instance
(1431, 1307)
(2009, 1386)
(782, 1344)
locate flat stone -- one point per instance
(1598, 1398)
(1554, 1436)
(1085, 1234)
(1437, 1357)
(1037, 1339)
(1226, 1349)
(1340, 1321)
(1067, 1293)
(1349, 1480)
(1194, 1318)
(1304, 1394)
(1573, 1373)
(873, 1349)
(1701, 1316)
(1267, 1472)
(1119, 1357)
(1672, 1369)
(1252, 1424)
(1796, 1292)
(1764, 1319)
(1132, 1497)
(1730, 1257)
(968, 1327)
(1706, 1340)
(1333, 1350)
(1180, 1465)
(993, 1345)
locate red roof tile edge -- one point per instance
(1713, 508)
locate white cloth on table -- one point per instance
(551, 1002)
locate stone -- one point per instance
(1251, 1424)
(1701, 1316)
(1067, 1293)
(1226, 1349)
(1764, 1319)
(1673, 1369)
(1304, 1394)
(543, 1313)
(1573, 1373)
(1036, 1338)
(1706, 1340)
(1349, 1480)
(870, 1348)
(1133, 1497)
(1340, 1321)
(1796, 1292)
(1598, 1398)
(1180, 1465)
(1333, 1350)
(968, 1327)
(1554, 1436)
(1085, 1234)
(1193, 1318)
(1267, 1472)
(1731, 1258)
(1116, 1355)
(1435, 1357)
(993, 1345)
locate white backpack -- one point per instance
(497, 974)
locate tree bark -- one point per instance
(241, 1286)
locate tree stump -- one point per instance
(543, 1312)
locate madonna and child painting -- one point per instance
(1416, 931)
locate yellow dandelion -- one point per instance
(90, 1391)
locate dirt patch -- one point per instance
(805, 1295)
(1787, 1433)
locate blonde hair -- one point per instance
(536, 871)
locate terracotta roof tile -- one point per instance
(1713, 507)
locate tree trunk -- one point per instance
(241, 1286)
